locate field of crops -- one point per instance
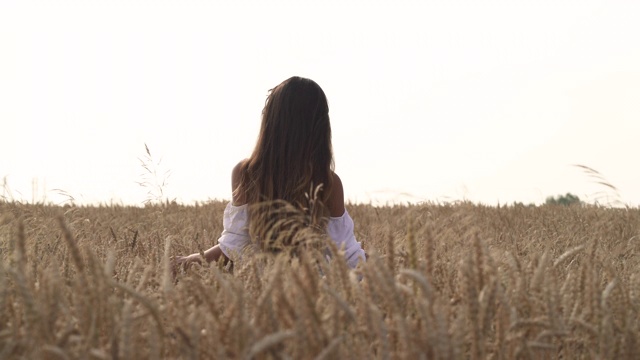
(454, 281)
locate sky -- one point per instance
(487, 101)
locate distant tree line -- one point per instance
(567, 200)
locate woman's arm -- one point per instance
(238, 197)
(335, 202)
(212, 254)
(215, 252)
(341, 228)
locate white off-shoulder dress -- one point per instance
(235, 235)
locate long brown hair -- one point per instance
(293, 152)
(292, 158)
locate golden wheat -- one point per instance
(442, 281)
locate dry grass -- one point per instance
(442, 282)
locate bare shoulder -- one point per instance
(236, 177)
(336, 198)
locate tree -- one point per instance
(566, 200)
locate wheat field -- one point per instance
(443, 281)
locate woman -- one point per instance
(293, 153)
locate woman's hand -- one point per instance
(182, 263)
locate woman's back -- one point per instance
(290, 166)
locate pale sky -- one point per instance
(488, 101)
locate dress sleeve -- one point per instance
(340, 230)
(235, 233)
